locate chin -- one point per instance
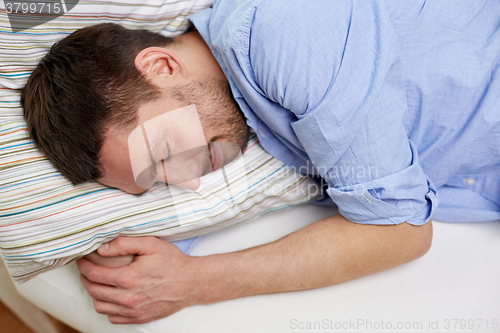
(135, 190)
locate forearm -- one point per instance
(324, 253)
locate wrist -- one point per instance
(216, 279)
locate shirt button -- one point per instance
(469, 181)
(262, 133)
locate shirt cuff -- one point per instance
(406, 196)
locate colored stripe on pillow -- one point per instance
(46, 222)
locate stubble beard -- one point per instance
(218, 110)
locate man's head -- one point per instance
(95, 86)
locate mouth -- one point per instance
(215, 157)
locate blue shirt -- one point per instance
(391, 102)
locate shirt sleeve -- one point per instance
(337, 68)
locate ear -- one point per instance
(157, 63)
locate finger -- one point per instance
(138, 317)
(122, 246)
(127, 320)
(118, 314)
(102, 292)
(117, 261)
(112, 309)
(120, 320)
(100, 274)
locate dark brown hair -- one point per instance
(85, 83)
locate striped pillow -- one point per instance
(46, 222)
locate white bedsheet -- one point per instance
(455, 283)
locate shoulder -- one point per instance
(296, 47)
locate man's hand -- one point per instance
(117, 261)
(162, 280)
(150, 287)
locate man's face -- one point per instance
(177, 140)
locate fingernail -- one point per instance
(106, 247)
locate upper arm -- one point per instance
(343, 82)
(296, 50)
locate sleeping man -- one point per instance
(389, 102)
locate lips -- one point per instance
(216, 157)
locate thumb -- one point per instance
(122, 246)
